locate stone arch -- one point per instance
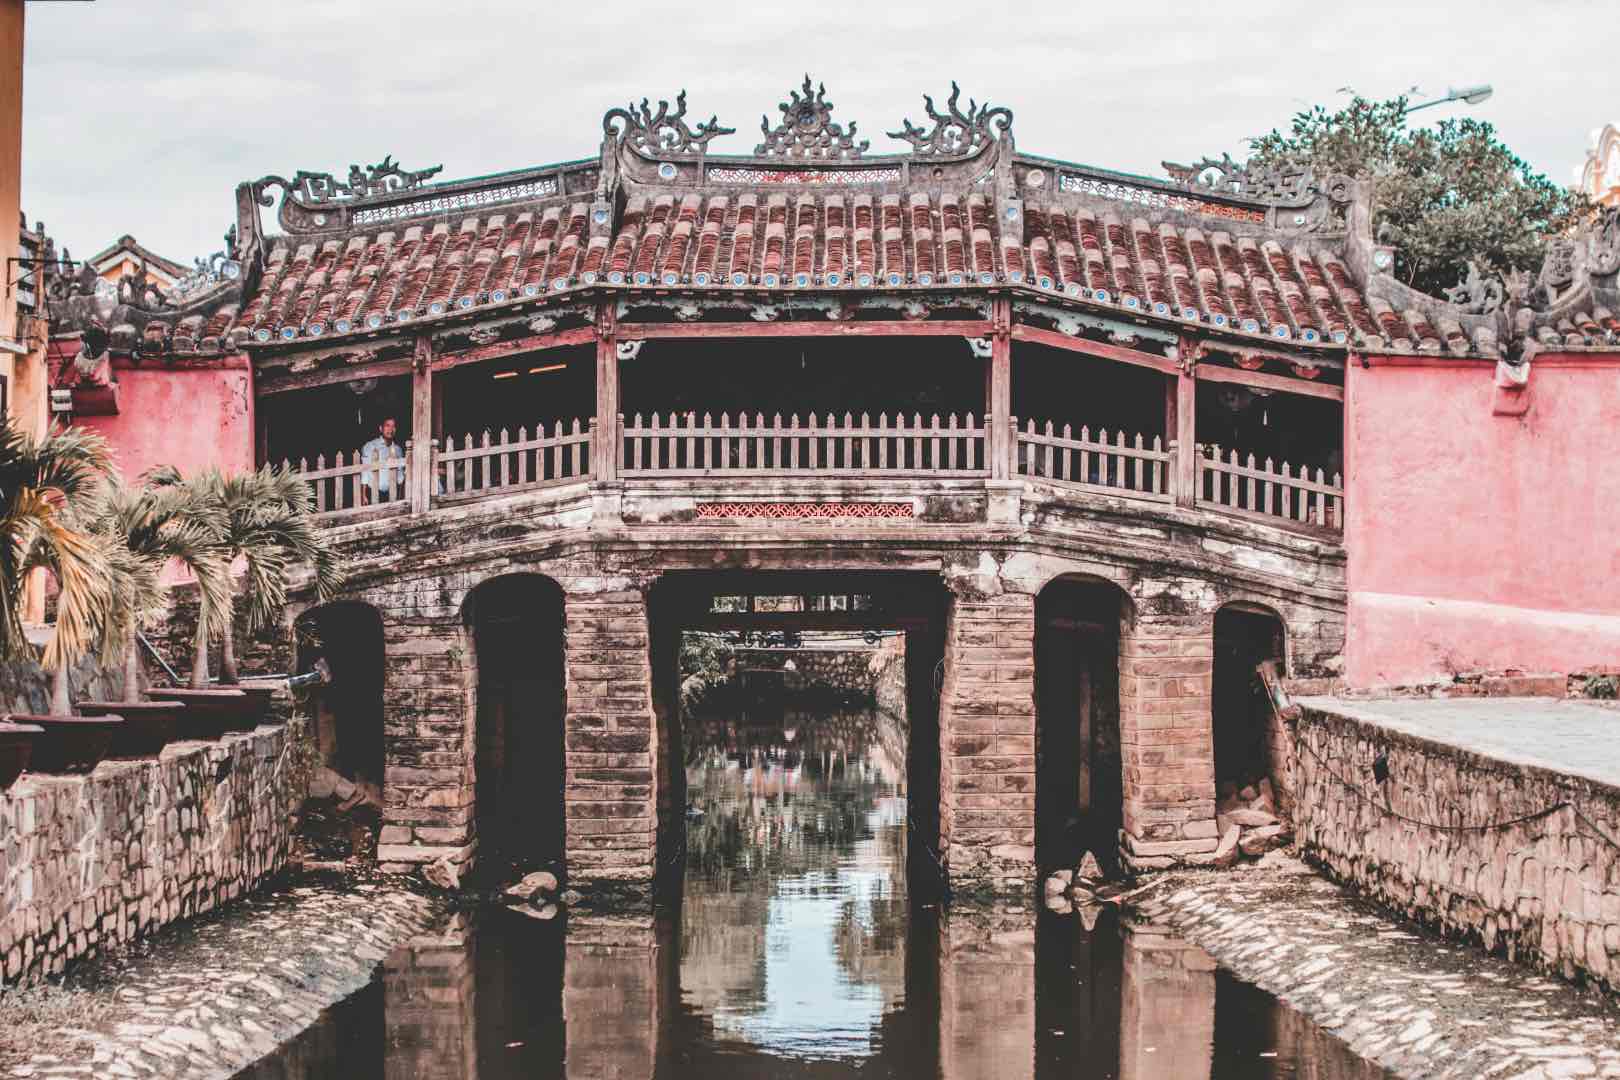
(513, 630)
(1080, 621)
(347, 713)
(1251, 743)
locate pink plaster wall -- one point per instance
(1477, 541)
(191, 418)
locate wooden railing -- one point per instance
(1239, 483)
(676, 445)
(687, 444)
(500, 464)
(1122, 465)
(340, 489)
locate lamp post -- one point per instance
(1472, 95)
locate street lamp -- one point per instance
(1473, 95)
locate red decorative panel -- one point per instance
(805, 511)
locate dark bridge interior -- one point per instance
(750, 606)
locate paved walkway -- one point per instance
(1581, 738)
(204, 999)
(1415, 1004)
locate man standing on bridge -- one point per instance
(383, 484)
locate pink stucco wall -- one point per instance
(191, 418)
(1479, 541)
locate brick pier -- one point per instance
(611, 788)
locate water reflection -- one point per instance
(798, 951)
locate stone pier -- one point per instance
(1167, 738)
(987, 742)
(611, 788)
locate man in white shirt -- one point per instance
(388, 483)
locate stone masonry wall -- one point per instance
(1546, 891)
(90, 861)
(987, 736)
(1166, 737)
(612, 757)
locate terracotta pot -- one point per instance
(69, 744)
(148, 726)
(16, 747)
(208, 714)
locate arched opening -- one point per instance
(1250, 743)
(348, 710)
(516, 625)
(1079, 783)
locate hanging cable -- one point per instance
(1493, 826)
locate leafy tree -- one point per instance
(145, 527)
(40, 480)
(262, 520)
(1442, 195)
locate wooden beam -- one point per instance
(1282, 383)
(791, 620)
(579, 335)
(998, 400)
(1104, 349)
(421, 474)
(305, 380)
(884, 328)
(1185, 389)
(605, 444)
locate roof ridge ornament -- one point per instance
(955, 134)
(384, 178)
(808, 131)
(1284, 182)
(662, 132)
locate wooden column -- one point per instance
(1181, 408)
(999, 396)
(605, 443)
(421, 457)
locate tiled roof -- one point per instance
(1275, 286)
(1270, 257)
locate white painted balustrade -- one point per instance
(689, 444)
(1120, 464)
(499, 463)
(338, 489)
(1238, 483)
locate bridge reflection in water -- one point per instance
(800, 950)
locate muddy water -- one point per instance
(798, 951)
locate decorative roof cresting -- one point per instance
(1284, 183)
(662, 132)
(807, 130)
(383, 178)
(955, 134)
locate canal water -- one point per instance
(798, 951)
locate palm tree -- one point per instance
(264, 520)
(146, 527)
(40, 481)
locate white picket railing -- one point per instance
(686, 444)
(1122, 465)
(1243, 484)
(498, 464)
(339, 488)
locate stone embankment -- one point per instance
(204, 1001)
(1494, 821)
(1415, 1004)
(101, 859)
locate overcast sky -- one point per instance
(141, 116)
